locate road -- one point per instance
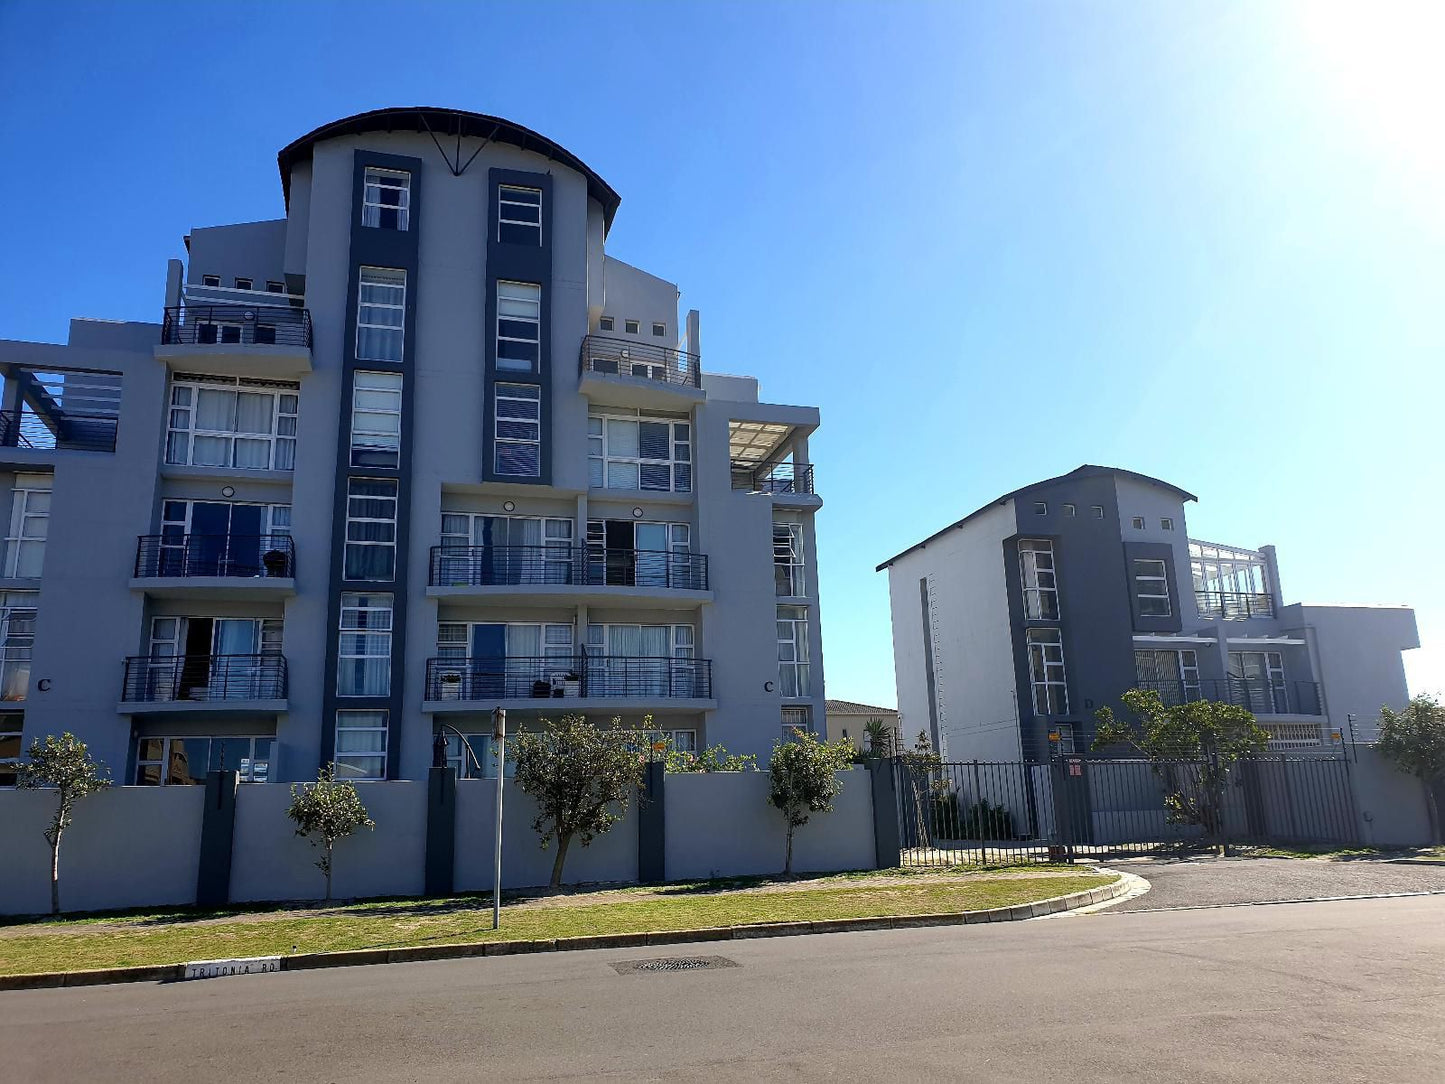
(1194, 882)
(1339, 991)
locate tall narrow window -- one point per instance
(17, 638)
(1039, 579)
(1046, 672)
(360, 744)
(788, 558)
(519, 215)
(519, 323)
(386, 203)
(518, 432)
(793, 653)
(29, 525)
(380, 314)
(370, 529)
(230, 422)
(363, 651)
(376, 419)
(1151, 587)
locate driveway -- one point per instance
(1208, 882)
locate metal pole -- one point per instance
(499, 733)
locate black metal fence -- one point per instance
(1260, 696)
(204, 678)
(516, 677)
(22, 427)
(773, 478)
(624, 357)
(1078, 806)
(227, 555)
(1233, 605)
(491, 566)
(236, 325)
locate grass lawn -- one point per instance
(1398, 854)
(175, 936)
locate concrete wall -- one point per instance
(1391, 806)
(1358, 659)
(254, 250)
(630, 293)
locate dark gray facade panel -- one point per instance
(218, 823)
(441, 831)
(929, 675)
(652, 825)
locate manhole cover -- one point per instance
(675, 963)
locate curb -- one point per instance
(307, 961)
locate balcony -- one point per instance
(59, 431)
(1256, 695)
(779, 479)
(261, 340)
(229, 565)
(574, 573)
(602, 681)
(1233, 605)
(621, 372)
(204, 682)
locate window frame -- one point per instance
(1097, 511)
(791, 570)
(503, 203)
(1032, 573)
(281, 439)
(368, 310)
(511, 365)
(371, 180)
(356, 620)
(18, 612)
(1047, 674)
(246, 771)
(632, 327)
(358, 546)
(516, 421)
(606, 323)
(23, 518)
(659, 329)
(1151, 579)
(1137, 522)
(250, 284)
(12, 733)
(382, 442)
(678, 465)
(211, 281)
(794, 640)
(345, 759)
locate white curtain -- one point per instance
(215, 410)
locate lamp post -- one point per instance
(499, 735)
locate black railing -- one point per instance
(1258, 695)
(773, 478)
(623, 357)
(493, 566)
(515, 677)
(1233, 605)
(204, 678)
(253, 556)
(236, 325)
(22, 427)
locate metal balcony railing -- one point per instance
(491, 566)
(236, 325)
(253, 556)
(623, 357)
(22, 427)
(204, 678)
(585, 675)
(1254, 694)
(773, 478)
(1233, 605)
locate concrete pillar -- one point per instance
(174, 272)
(1271, 574)
(887, 850)
(441, 830)
(218, 822)
(652, 826)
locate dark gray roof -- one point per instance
(444, 124)
(852, 707)
(1088, 470)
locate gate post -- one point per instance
(652, 826)
(218, 827)
(441, 832)
(887, 849)
(1063, 807)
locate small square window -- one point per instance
(1041, 508)
(632, 327)
(275, 287)
(1138, 522)
(1166, 524)
(659, 329)
(1070, 511)
(210, 280)
(605, 323)
(243, 284)
(1097, 511)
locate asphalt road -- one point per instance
(1198, 882)
(1323, 991)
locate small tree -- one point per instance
(878, 737)
(1211, 732)
(921, 762)
(1414, 739)
(803, 779)
(330, 810)
(64, 765)
(581, 777)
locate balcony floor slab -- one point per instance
(558, 705)
(237, 588)
(547, 594)
(202, 707)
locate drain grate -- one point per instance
(675, 963)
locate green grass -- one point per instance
(1420, 854)
(176, 936)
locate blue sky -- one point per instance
(992, 241)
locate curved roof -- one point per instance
(1088, 470)
(446, 124)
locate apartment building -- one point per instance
(417, 449)
(1014, 624)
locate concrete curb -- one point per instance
(306, 961)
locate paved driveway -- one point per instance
(1195, 882)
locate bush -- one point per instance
(712, 759)
(979, 821)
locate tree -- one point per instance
(920, 762)
(803, 779)
(1414, 739)
(581, 777)
(64, 765)
(329, 809)
(879, 738)
(1213, 733)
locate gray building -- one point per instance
(418, 449)
(1014, 624)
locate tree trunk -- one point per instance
(788, 859)
(55, 876)
(1433, 809)
(562, 843)
(328, 873)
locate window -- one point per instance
(380, 314)
(360, 744)
(518, 434)
(376, 419)
(1046, 671)
(11, 745)
(605, 323)
(659, 330)
(1039, 579)
(519, 215)
(519, 324)
(1138, 523)
(228, 422)
(487, 550)
(788, 558)
(642, 660)
(1097, 511)
(1063, 733)
(29, 524)
(363, 652)
(798, 717)
(386, 199)
(1070, 511)
(1041, 508)
(370, 529)
(632, 327)
(274, 287)
(1256, 681)
(639, 453)
(17, 639)
(243, 284)
(1151, 587)
(1166, 524)
(1173, 674)
(210, 280)
(793, 653)
(185, 761)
